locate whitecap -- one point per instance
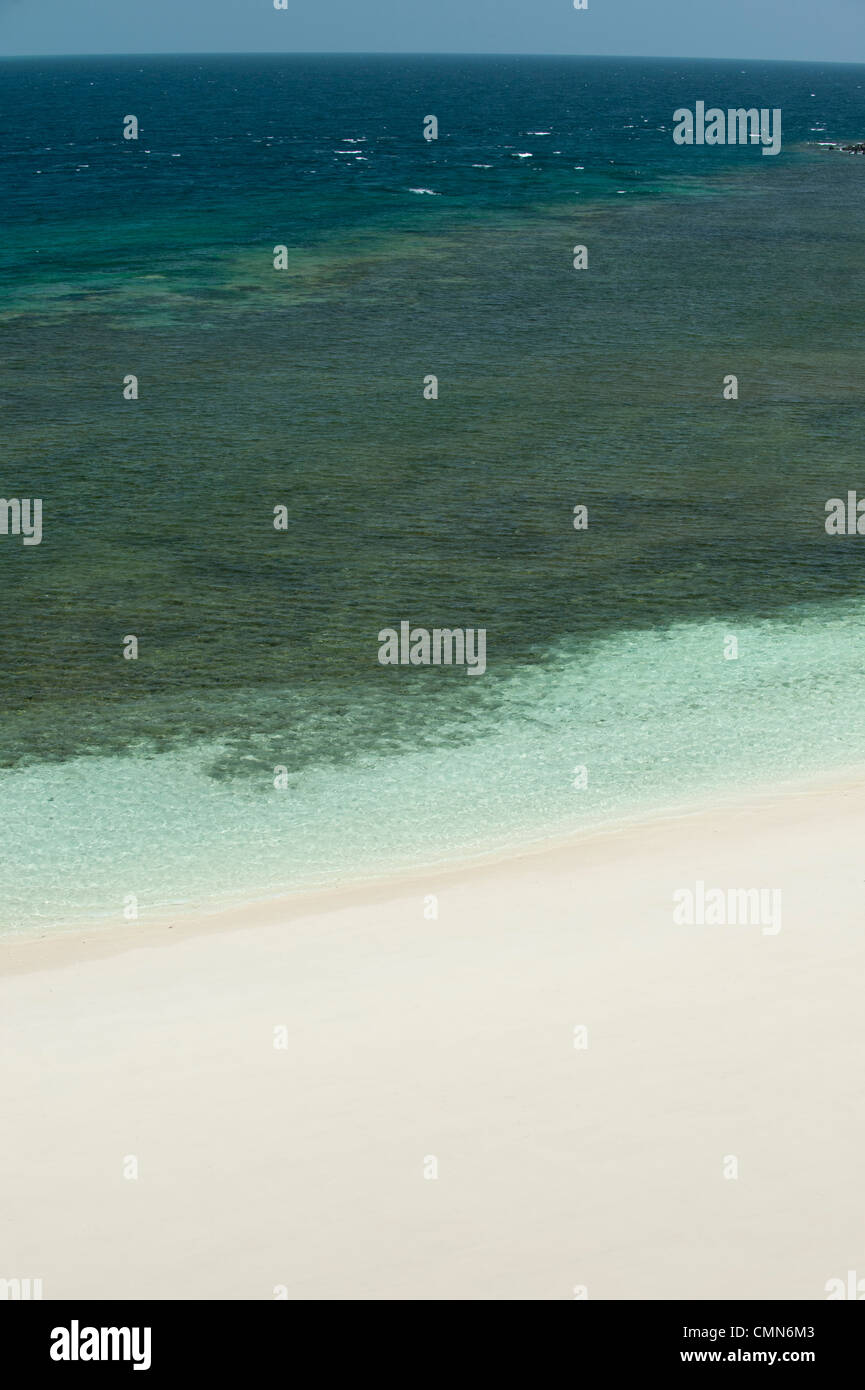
(431, 191)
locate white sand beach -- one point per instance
(559, 1167)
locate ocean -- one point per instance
(607, 648)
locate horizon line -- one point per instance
(443, 53)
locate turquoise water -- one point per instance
(304, 388)
(655, 718)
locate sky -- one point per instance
(826, 30)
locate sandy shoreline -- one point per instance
(409, 1039)
(71, 943)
